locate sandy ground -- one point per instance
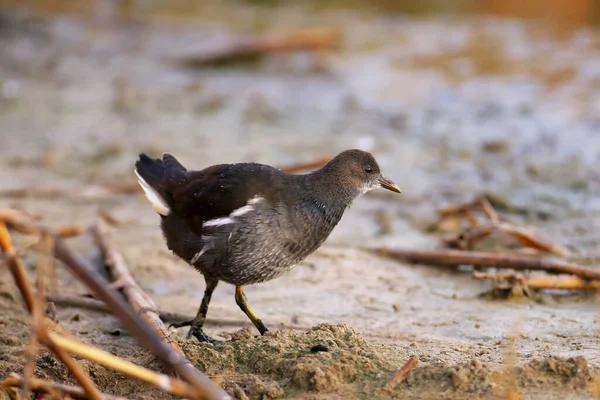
(450, 108)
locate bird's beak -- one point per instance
(387, 183)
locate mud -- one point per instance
(451, 107)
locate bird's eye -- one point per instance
(368, 170)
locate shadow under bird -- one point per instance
(248, 223)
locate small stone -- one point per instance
(496, 146)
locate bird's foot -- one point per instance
(262, 328)
(195, 330)
(199, 334)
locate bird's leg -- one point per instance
(242, 302)
(197, 323)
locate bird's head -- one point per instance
(358, 171)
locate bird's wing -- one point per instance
(217, 193)
(219, 200)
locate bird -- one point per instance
(247, 223)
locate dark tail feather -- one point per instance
(151, 169)
(171, 162)
(174, 171)
(150, 174)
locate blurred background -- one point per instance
(455, 99)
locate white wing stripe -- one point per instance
(241, 211)
(224, 221)
(255, 200)
(219, 221)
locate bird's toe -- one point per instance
(181, 324)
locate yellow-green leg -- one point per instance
(242, 302)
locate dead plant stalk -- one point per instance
(138, 299)
(490, 259)
(402, 372)
(20, 276)
(52, 388)
(204, 388)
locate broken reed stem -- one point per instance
(25, 224)
(20, 276)
(15, 380)
(204, 387)
(402, 372)
(80, 376)
(488, 210)
(466, 210)
(556, 282)
(497, 276)
(467, 239)
(256, 47)
(540, 282)
(16, 267)
(489, 259)
(476, 232)
(38, 326)
(139, 300)
(174, 387)
(67, 342)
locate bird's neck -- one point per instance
(327, 187)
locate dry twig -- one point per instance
(254, 48)
(204, 387)
(509, 279)
(15, 380)
(20, 276)
(139, 300)
(489, 259)
(466, 210)
(38, 326)
(172, 386)
(66, 342)
(476, 231)
(467, 239)
(402, 372)
(24, 223)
